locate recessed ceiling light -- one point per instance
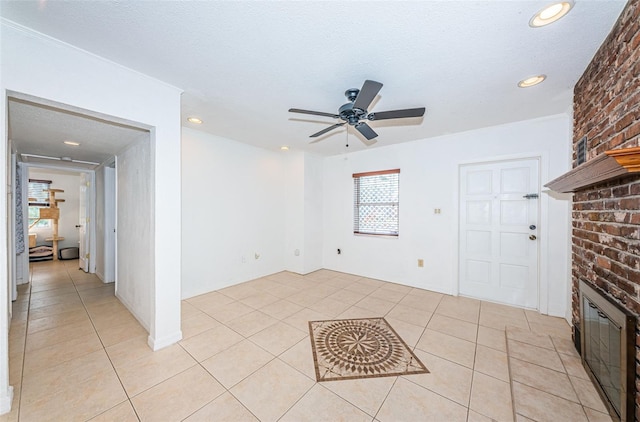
(534, 80)
(71, 143)
(284, 148)
(551, 13)
(194, 120)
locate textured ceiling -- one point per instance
(41, 130)
(243, 64)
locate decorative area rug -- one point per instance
(360, 348)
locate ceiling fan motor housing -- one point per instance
(350, 114)
(352, 94)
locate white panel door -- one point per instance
(498, 232)
(83, 222)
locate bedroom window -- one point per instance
(376, 202)
(38, 198)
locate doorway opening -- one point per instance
(49, 135)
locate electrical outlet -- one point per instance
(421, 263)
(436, 211)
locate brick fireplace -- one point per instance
(606, 215)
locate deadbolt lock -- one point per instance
(532, 227)
(532, 237)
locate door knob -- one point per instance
(532, 237)
(532, 227)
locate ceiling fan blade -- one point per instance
(368, 142)
(397, 114)
(366, 130)
(368, 92)
(315, 113)
(325, 130)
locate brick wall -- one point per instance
(606, 217)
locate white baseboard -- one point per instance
(5, 401)
(157, 344)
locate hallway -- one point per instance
(58, 361)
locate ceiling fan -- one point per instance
(356, 110)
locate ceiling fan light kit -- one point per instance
(356, 110)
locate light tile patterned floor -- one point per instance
(76, 353)
(358, 348)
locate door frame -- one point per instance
(91, 227)
(110, 217)
(543, 222)
(90, 230)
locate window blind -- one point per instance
(37, 192)
(376, 202)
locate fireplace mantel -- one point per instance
(613, 164)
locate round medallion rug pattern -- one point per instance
(360, 348)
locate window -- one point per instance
(375, 202)
(38, 197)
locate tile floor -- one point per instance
(77, 354)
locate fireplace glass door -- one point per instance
(608, 349)
(602, 354)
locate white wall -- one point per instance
(233, 207)
(305, 204)
(42, 67)
(6, 257)
(313, 213)
(70, 183)
(429, 180)
(105, 223)
(303, 213)
(294, 186)
(135, 230)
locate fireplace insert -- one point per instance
(608, 349)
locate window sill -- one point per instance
(386, 236)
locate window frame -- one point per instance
(42, 224)
(357, 223)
